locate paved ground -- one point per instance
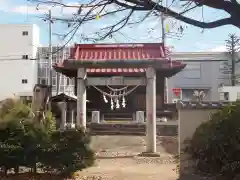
(117, 159)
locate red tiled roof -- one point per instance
(117, 51)
(84, 52)
(135, 51)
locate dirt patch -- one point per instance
(132, 145)
(130, 168)
(117, 159)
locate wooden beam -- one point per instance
(116, 81)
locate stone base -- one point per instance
(69, 126)
(149, 154)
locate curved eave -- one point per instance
(65, 71)
(166, 72)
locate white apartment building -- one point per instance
(18, 65)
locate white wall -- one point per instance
(232, 90)
(12, 67)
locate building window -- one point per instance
(192, 70)
(25, 33)
(43, 82)
(68, 81)
(54, 81)
(24, 56)
(43, 70)
(54, 88)
(238, 95)
(224, 96)
(221, 96)
(24, 81)
(188, 94)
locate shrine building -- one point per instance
(126, 106)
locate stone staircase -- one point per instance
(131, 129)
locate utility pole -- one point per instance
(163, 42)
(50, 55)
(233, 77)
(49, 81)
(232, 47)
(163, 29)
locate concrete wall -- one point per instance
(189, 120)
(13, 68)
(233, 93)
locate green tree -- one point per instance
(233, 48)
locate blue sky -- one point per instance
(192, 39)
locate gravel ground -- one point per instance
(117, 159)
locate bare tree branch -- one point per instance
(181, 17)
(74, 30)
(89, 5)
(150, 7)
(122, 24)
(231, 7)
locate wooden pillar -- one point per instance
(151, 110)
(166, 91)
(81, 99)
(75, 86)
(160, 87)
(72, 116)
(63, 106)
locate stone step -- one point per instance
(126, 133)
(131, 129)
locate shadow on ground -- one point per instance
(169, 144)
(115, 157)
(28, 176)
(193, 177)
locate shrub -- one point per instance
(69, 152)
(21, 138)
(35, 140)
(6, 106)
(11, 151)
(26, 141)
(215, 145)
(49, 122)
